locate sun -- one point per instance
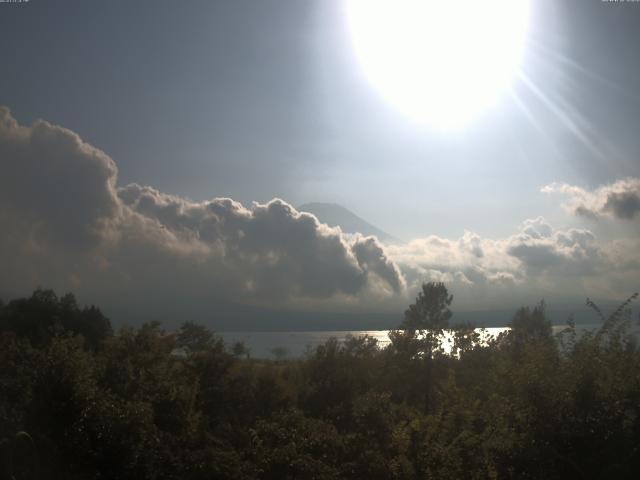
(440, 62)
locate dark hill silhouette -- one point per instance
(336, 215)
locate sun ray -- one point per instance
(535, 123)
(578, 68)
(564, 114)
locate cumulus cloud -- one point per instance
(61, 186)
(71, 226)
(477, 270)
(67, 224)
(541, 248)
(470, 259)
(274, 250)
(536, 261)
(619, 200)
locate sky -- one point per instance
(136, 135)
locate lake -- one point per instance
(261, 344)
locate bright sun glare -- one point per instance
(440, 62)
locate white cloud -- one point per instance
(536, 261)
(541, 249)
(619, 200)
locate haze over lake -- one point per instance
(297, 344)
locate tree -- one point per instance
(431, 310)
(40, 317)
(419, 342)
(194, 338)
(420, 333)
(530, 324)
(240, 349)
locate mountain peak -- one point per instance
(336, 215)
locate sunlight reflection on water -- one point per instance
(296, 344)
(261, 344)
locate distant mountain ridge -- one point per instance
(336, 215)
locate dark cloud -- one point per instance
(56, 183)
(372, 257)
(623, 204)
(582, 211)
(280, 251)
(536, 256)
(72, 227)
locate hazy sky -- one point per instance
(260, 99)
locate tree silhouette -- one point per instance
(39, 317)
(194, 338)
(520, 406)
(431, 310)
(531, 323)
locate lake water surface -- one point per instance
(296, 344)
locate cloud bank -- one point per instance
(537, 261)
(68, 225)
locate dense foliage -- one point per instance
(147, 404)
